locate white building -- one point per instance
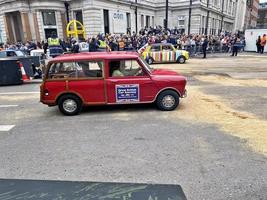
(240, 15)
(22, 20)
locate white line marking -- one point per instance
(16, 93)
(5, 128)
(8, 106)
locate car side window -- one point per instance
(10, 53)
(155, 48)
(167, 48)
(125, 68)
(91, 69)
(82, 69)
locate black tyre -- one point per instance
(181, 60)
(70, 104)
(150, 60)
(168, 100)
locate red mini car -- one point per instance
(76, 80)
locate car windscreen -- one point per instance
(2, 54)
(147, 66)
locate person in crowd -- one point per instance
(258, 44)
(54, 45)
(263, 43)
(236, 45)
(75, 46)
(205, 43)
(93, 45)
(121, 45)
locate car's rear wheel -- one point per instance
(70, 104)
(150, 60)
(181, 60)
(168, 100)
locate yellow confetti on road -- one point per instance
(204, 108)
(227, 81)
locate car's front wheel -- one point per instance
(70, 104)
(168, 100)
(181, 60)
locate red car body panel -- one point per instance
(102, 90)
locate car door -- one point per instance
(132, 84)
(155, 52)
(88, 81)
(168, 53)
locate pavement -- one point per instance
(214, 145)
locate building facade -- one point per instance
(262, 16)
(251, 14)
(22, 20)
(241, 9)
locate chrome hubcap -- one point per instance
(181, 60)
(69, 105)
(168, 101)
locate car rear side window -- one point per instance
(155, 48)
(82, 69)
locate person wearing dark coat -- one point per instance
(75, 47)
(258, 44)
(204, 46)
(236, 45)
(93, 46)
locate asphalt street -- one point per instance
(214, 145)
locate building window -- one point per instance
(49, 18)
(128, 17)
(147, 21)
(142, 21)
(181, 21)
(203, 24)
(78, 15)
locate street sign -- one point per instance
(47, 190)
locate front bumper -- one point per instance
(185, 94)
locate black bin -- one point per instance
(10, 72)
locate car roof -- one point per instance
(157, 44)
(9, 58)
(10, 50)
(96, 55)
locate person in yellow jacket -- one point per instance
(102, 45)
(54, 45)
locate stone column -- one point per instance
(93, 20)
(64, 25)
(26, 26)
(36, 27)
(8, 29)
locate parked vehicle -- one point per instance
(12, 53)
(33, 64)
(162, 53)
(99, 78)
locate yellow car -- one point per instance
(162, 53)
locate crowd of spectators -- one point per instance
(223, 42)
